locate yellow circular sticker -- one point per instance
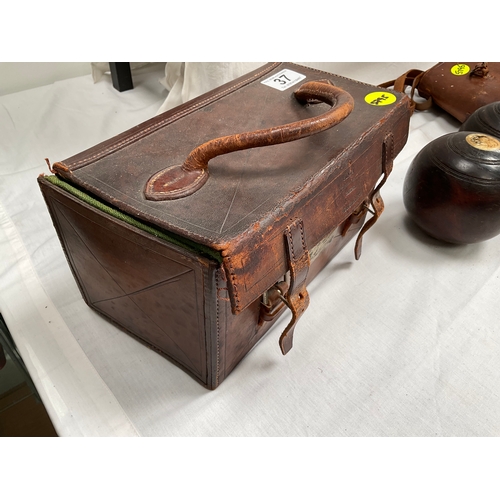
(380, 98)
(460, 69)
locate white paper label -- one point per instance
(284, 79)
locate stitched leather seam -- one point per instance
(167, 121)
(234, 281)
(178, 190)
(390, 138)
(290, 241)
(301, 227)
(302, 237)
(217, 340)
(387, 158)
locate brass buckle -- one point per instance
(273, 300)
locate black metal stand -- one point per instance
(121, 76)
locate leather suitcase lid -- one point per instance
(249, 194)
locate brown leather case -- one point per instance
(457, 88)
(195, 230)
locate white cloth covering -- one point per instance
(403, 342)
(187, 80)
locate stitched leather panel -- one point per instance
(151, 289)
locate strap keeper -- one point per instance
(375, 199)
(297, 296)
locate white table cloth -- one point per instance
(403, 342)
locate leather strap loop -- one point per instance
(410, 79)
(179, 181)
(376, 200)
(297, 296)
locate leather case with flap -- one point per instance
(195, 230)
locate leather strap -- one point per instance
(297, 296)
(376, 200)
(410, 79)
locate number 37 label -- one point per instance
(284, 79)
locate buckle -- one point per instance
(291, 292)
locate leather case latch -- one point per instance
(293, 295)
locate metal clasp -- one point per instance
(273, 300)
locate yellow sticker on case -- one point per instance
(380, 98)
(460, 69)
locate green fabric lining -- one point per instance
(164, 235)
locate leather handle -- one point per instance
(179, 181)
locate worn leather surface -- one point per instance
(178, 181)
(250, 195)
(460, 93)
(145, 285)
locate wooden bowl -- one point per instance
(452, 188)
(486, 119)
